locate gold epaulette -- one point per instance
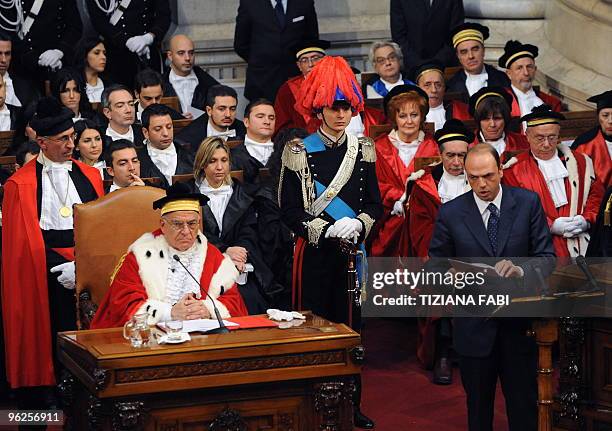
(607, 211)
(294, 155)
(367, 149)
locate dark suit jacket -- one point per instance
(497, 78)
(205, 81)
(193, 135)
(423, 31)
(523, 232)
(184, 164)
(25, 90)
(265, 46)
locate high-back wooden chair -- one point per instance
(171, 102)
(234, 143)
(237, 175)
(103, 231)
(377, 130)
(179, 125)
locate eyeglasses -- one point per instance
(553, 139)
(178, 226)
(62, 139)
(382, 60)
(310, 60)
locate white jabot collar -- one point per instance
(390, 85)
(211, 131)
(406, 150)
(451, 186)
(218, 200)
(609, 148)
(474, 83)
(499, 144)
(258, 150)
(11, 97)
(174, 78)
(554, 173)
(48, 164)
(437, 116)
(114, 135)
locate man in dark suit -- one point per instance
(185, 80)
(132, 35)
(160, 157)
(19, 92)
(495, 221)
(148, 90)
(265, 32)
(219, 120)
(422, 28)
(468, 42)
(10, 115)
(118, 108)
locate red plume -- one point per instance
(319, 88)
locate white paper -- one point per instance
(201, 325)
(195, 111)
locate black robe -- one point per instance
(601, 235)
(240, 229)
(143, 16)
(193, 135)
(496, 78)
(184, 164)
(205, 81)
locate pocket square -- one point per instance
(298, 19)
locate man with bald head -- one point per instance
(503, 224)
(184, 79)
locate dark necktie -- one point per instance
(492, 227)
(280, 13)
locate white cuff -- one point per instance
(159, 311)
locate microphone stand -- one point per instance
(222, 329)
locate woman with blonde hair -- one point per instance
(230, 221)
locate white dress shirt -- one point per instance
(437, 116)
(283, 2)
(100, 165)
(451, 186)
(218, 200)
(474, 83)
(58, 190)
(114, 187)
(5, 119)
(483, 206)
(372, 94)
(11, 97)
(406, 150)
(77, 118)
(258, 150)
(527, 101)
(111, 133)
(139, 111)
(554, 173)
(499, 145)
(211, 131)
(94, 92)
(184, 86)
(165, 160)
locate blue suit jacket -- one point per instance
(523, 232)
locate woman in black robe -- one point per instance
(230, 221)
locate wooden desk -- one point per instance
(259, 379)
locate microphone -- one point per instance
(584, 267)
(544, 291)
(222, 329)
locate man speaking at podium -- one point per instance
(149, 277)
(494, 222)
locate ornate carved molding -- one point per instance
(286, 422)
(128, 415)
(87, 309)
(95, 413)
(328, 397)
(66, 388)
(231, 366)
(572, 389)
(100, 377)
(228, 420)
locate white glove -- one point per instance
(137, 44)
(577, 225)
(345, 228)
(560, 225)
(145, 53)
(279, 315)
(51, 58)
(66, 278)
(398, 208)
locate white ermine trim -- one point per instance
(159, 311)
(222, 309)
(226, 276)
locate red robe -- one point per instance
(284, 105)
(130, 292)
(423, 210)
(597, 149)
(459, 110)
(25, 298)
(515, 143)
(552, 101)
(525, 173)
(392, 238)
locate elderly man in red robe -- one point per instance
(564, 180)
(157, 273)
(597, 143)
(427, 193)
(519, 61)
(38, 253)
(406, 107)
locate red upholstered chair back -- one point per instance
(103, 231)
